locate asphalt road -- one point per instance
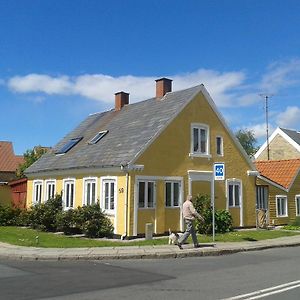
(269, 274)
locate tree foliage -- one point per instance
(248, 141)
(30, 156)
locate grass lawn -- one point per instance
(27, 237)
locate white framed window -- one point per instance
(89, 191)
(109, 194)
(297, 199)
(50, 189)
(219, 145)
(234, 192)
(37, 191)
(281, 206)
(200, 140)
(172, 193)
(69, 193)
(146, 194)
(262, 196)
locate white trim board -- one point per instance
(276, 132)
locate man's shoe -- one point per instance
(179, 246)
(197, 246)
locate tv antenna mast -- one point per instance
(266, 98)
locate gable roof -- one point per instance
(280, 172)
(291, 136)
(9, 162)
(130, 131)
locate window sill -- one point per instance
(285, 216)
(200, 155)
(144, 208)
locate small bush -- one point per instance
(89, 220)
(9, 216)
(67, 221)
(223, 219)
(43, 216)
(93, 222)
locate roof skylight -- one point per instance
(98, 137)
(69, 145)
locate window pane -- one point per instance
(278, 207)
(219, 145)
(230, 195)
(203, 140)
(298, 206)
(237, 195)
(141, 194)
(72, 195)
(196, 139)
(106, 196)
(88, 193)
(67, 194)
(112, 195)
(93, 200)
(176, 193)
(168, 193)
(150, 194)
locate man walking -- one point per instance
(189, 214)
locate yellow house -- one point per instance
(141, 160)
(278, 190)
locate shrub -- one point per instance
(223, 219)
(93, 222)
(9, 216)
(89, 220)
(67, 221)
(43, 216)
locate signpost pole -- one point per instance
(213, 207)
(218, 174)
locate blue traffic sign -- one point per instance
(219, 171)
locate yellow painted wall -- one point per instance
(121, 192)
(169, 156)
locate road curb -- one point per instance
(152, 254)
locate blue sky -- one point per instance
(62, 60)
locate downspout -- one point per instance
(125, 234)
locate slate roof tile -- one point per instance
(130, 130)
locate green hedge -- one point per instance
(50, 216)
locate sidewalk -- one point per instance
(8, 251)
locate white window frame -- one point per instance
(198, 153)
(234, 182)
(172, 182)
(104, 180)
(221, 145)
(281, 197)
(67, 181)
(146, 194)
(37, 191)
(297, 197)
(86, 181)
(48, 183)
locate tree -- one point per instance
(30, 156)
(248, 141)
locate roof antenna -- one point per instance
(266, 98)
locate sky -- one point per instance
(63, 60)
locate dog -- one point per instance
(173, 237)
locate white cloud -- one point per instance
(40, 83)
(102, 87)
(260, 131)
(289, 118)
(281, 75)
